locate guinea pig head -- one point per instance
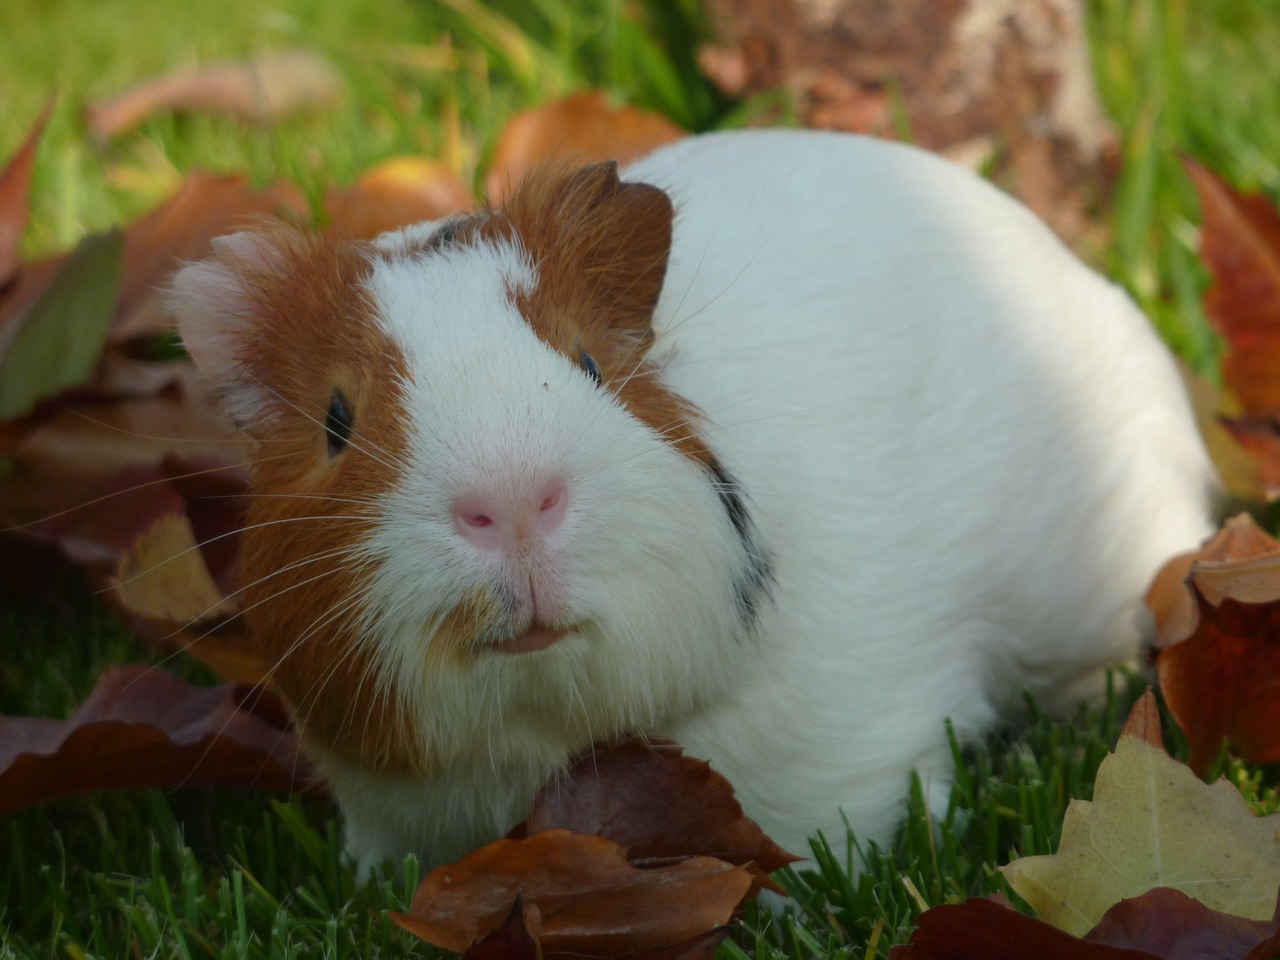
(480, 524)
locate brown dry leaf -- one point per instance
(583, 127)
(589, 899)
(1173, 926)
(649, 797)
(15, 205)
(261, 89)
(154, 246)
(1161, 924)
(982, 929)
(161, 545)
(1152, 823)
(66, 457)
(515, 939)
(1169, 597)
(1219, 666)
(182, 229)
(142, 727)
(396, 193)
(1240, 244)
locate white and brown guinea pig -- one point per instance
(786, 445)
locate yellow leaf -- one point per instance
(1153, 823)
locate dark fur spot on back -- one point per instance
(755, 583)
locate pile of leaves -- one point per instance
(112, 460)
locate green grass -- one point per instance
(218, 873)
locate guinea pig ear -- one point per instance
(216, 310)
(592, 234)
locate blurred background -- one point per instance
(1082, 108)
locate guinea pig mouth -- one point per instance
(537, 637)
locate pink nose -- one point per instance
(493, 521)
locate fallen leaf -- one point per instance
(65, 458)
(143, 727)
(1240, 244)
(583, 127)
(55, 311)
(1222, 681)
(980, 929)
(395, 193)
(1168, 924)
(1152, 823)
(589, 899)
(697, 948)
(1161, 924)
(15, 204)
(649, 797)
(56, 344)
(1169, 597)
(261, 89)
(515, 939)
(182, 229)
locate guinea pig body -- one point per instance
(848, 446)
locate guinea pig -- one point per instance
(787, 445)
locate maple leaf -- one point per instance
(1153, 823)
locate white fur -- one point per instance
(965, 453)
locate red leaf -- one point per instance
(1240, 243)
(1173, 926)
(181, 229)
(142, 727)
(15, 206)
(589, 899)
(1161, 924)
(979, 929)
(516, 939)
(1221, 677)
(652, 799)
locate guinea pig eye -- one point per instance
(337, 423)
(590, 367)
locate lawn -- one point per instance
(219, 873)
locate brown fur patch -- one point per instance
(313, 334)
(600, 247)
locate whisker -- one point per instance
(237, 441)
(222, 536)
(354, 433)
(240, 613)
(132, 489)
